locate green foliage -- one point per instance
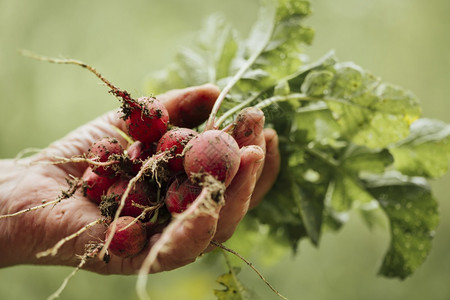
(348, 140)
(232, 287)
(365, 108)
(426, 151)
(413, 217)
(218, 52)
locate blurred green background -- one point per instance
(406, 42)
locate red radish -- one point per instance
(181, 193)
(104, 150)
(140, 195)
(127, 241)
(213, 152)
(146, 119)
(174, 141)
(137, 152)
(94, 185)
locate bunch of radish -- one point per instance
(138, 187)
(153, 174)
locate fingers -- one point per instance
(238, 194)
(249, 127)
(191, 106)
(248, 130)
(271, 167)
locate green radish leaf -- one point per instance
(310, 212)
(209, 60)
(426, 152)
(224, 47)
(373, 216)
(316, 123)
(317, 83)
(413, 216)
(368, 111)
(233, 289)
(361, 159)
(346, 192)
(281, 50)
(216, 56)
(262, 30)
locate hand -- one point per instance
(23, 186)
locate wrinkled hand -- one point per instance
(22, 186)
